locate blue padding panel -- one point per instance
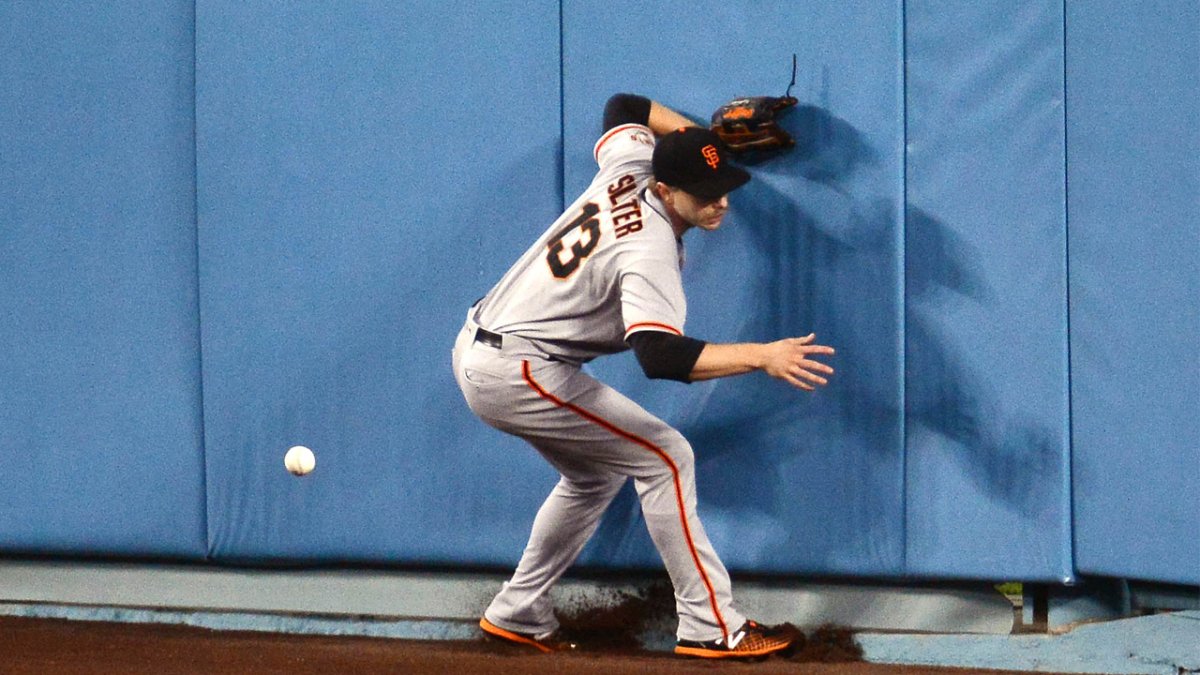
(788, 481)
(100, 439)
(1133, 73)
(366, 171)
(986, 358)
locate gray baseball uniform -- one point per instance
(607, 268)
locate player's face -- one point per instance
(705, 214)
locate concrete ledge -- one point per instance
(1165, 644)
(461, 597)
(964, 626)
(300, 624)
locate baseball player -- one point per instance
(605, 277)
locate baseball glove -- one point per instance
(749, 123)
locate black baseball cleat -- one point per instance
(552, 642)
(751, 641)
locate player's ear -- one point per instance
(663, 191)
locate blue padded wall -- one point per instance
(788, 481)
(100, 438)
(366, 171)
(295, 203)
(1133, 73)
(986, 331)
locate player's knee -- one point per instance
(677, 448)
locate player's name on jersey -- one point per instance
(627, 214)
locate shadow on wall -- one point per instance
(828, 149)
(830, 264)
(825, 261)
(827, 250)
(1006, 458)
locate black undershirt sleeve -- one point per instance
(626, 109)
(666, 356)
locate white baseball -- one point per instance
(299, 460)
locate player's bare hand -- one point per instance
(791, 360)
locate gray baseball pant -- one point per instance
(596, 438)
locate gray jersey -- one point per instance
(608, 267)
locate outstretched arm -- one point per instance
(634, 109)
(788, 360)
(684, 359)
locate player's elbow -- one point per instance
(626, 109)
(664, 356)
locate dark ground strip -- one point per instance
(49, 646)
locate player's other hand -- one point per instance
(790, 359)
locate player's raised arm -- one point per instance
(634, 109)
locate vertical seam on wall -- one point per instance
(903, 407)
(562, 110)
(1070, 455)
(199, 313)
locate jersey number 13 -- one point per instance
(563, 261)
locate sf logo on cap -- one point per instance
(710, 156)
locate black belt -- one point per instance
(489, 338)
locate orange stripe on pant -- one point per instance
(687, 530)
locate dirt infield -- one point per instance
(43, 646)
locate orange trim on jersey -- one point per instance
(609, 426)
(611, 132)
(653, 326)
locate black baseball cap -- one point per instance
(695, 160)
